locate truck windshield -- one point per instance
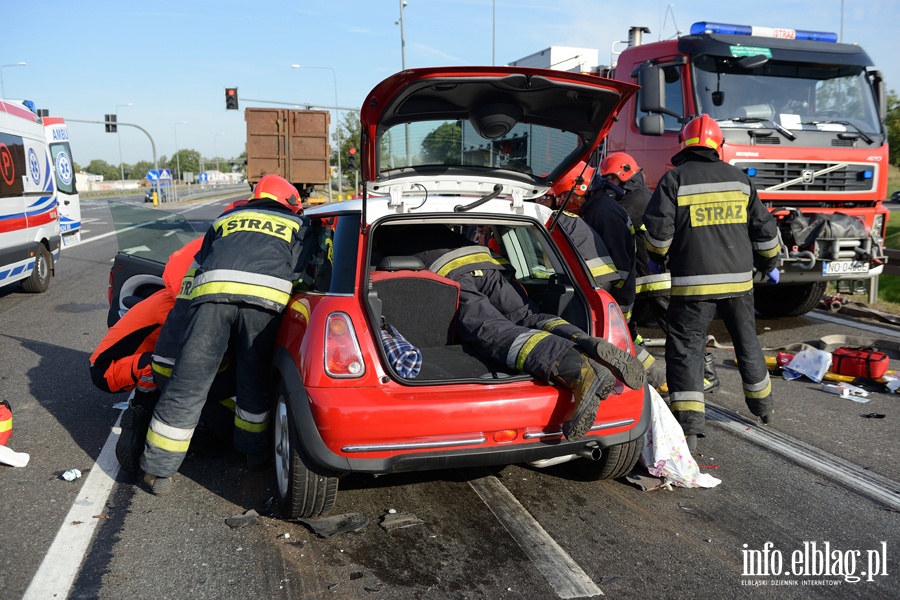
(795, 95)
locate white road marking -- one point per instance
(562, 573)
(109, 233)
(881, 489)
(55, 576)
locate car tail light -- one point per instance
(616, 328)
(343, 358)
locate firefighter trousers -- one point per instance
(504, 325)
(688, 321)
(209, 328)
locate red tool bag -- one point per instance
(5, 422)
(859, 362)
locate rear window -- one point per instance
(330, 255)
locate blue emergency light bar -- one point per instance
(772, 32)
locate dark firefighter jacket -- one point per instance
(609, 219)
(591, 248)
(706, 220)
(634, 201)
(263, 276)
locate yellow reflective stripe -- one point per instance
(626, 314)
(6, 425)
(770, 252)
(301, 308)
(165, 371)
(652, 286)
(241, 289)
(712, 197)
(248, 426)
(547, 326)
(228, 403)
(602, 270)
(711, 288)
(696, 142)
(164, 443)
(527, 347)
(760, 394)
(688, 406)
(718, 213)
(257, 222)
(472, 259)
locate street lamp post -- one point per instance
(403, 65)
(216, 147)
(21, 63)
(177, 160)
(337, 125)
(119, 139)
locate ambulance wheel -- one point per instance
(616, 461)
(39, 280)
(304, 488)
(788, 300)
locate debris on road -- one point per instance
(284, 536)
(390, 522)
(71, 475)
(10, 457)
(248, 518)
(331, 526)
(874, 416)
(845, 390)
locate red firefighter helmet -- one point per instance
(620, 164)
(702, 131)
(570, 181)
(277, 188)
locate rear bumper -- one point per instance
(396, 460)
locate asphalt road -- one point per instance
(824, 475)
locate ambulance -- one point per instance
(29, 213)
(64, 171)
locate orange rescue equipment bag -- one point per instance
(5, 422)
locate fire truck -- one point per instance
(801, 114)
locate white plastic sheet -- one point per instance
(809, 362)
(665, 452)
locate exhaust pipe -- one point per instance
(588, 452)
(591, 452)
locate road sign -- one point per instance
(204, 177)
(165, 175)
(152, 175)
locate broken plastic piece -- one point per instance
(248, 518)
(399, 521)
(845, 390)
(331, 526)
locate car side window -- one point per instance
(329, 256)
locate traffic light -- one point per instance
(351, 158)
(111, 126)
(231, 99)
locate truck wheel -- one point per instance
(39, 280)
(788, 300)
(616, 461)
(304, 488)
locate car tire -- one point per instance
(616, 461)
(304, 488)
(39, 280)
(788, 300)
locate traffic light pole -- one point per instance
(147, 133)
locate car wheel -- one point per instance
(616, 461)
(304, 488)
(39, 280)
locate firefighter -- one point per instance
(502, 324)
(707, 224)
(651, 289)
(243, 281)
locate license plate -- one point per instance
(843, 267)
(71, 239)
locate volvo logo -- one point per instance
(808, 176)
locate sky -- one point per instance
(164, 65)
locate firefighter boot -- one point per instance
(160, 486)
(624, 366)
(710, 377)
(134, 424)
(590, 383)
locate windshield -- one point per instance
(794, 95)
(149, 233)
(528, 149)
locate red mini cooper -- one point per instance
(470, 149)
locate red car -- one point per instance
(468, 148)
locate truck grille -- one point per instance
(808, 176)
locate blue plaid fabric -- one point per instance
(405, 358)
